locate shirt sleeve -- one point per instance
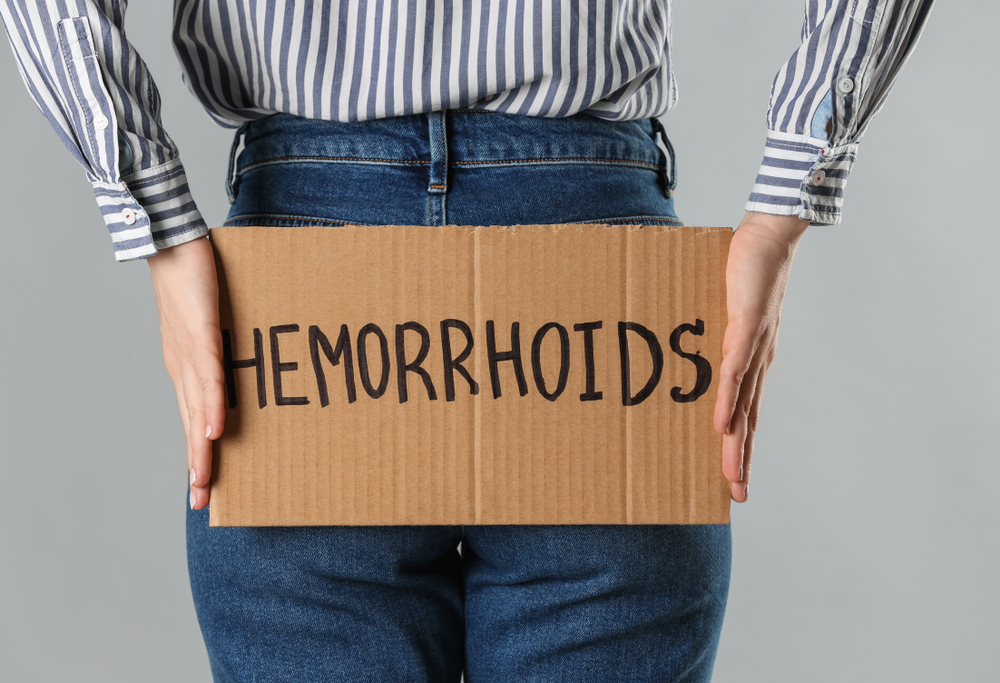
(823, 99)
(97, 93)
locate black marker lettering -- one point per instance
(536, 360)
(372, 328)
(229, 366)
(277, 367)
(514, 355)
(704, 368)
(588, 358)
(656, 354)
(318, 340)
(402, 367)
(451, 363)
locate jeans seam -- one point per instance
(265, 162)
(635, 219)
(561, 160)
(496, 162)
(444, 148)
(288, 217)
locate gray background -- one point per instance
(869, 549)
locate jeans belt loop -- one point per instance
(231, 182)
(438, 134)
(669, 171)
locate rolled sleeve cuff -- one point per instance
(150, 210)
(128, 223)
(164, 194)
(804, 177)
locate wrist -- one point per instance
(185, 257)
(785, 229)
(185, 276)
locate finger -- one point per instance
(733, 443)
(182, 408)
(739, 490)
(201, 454)
(200, 445)
(215, 406)
(735, 365)
(185, 420)
(213, 411)
(182, 405)
(758, 398)
(748, 447)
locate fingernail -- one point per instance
(746, 492)
(191, 471)
(208, 432)
(191, 499)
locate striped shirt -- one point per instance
(352, 60)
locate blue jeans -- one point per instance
(427, 603)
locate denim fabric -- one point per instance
(502, 169)
(427, 603)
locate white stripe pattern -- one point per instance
(352, 60)
(851, 53)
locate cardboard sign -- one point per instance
(561, 374)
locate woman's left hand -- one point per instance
(760, 258)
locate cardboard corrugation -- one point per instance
(475, 459)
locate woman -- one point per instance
(370, 112)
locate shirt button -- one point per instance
(817, 177)
(101, 121)
(128, 216)
(845, 85)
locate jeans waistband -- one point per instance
(462, 138)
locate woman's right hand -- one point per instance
(187, 295)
